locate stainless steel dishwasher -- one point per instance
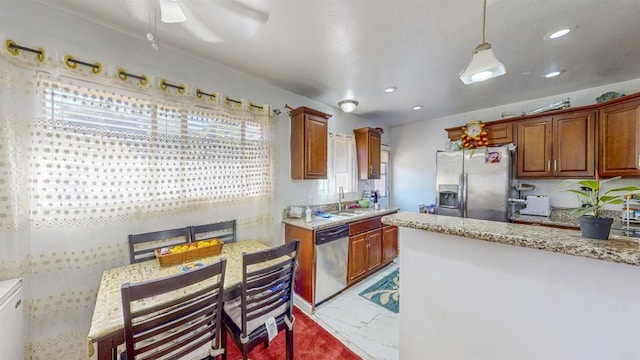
(332, 249)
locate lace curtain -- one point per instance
(84, 163)
(342, 166)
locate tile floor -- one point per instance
(369, 330)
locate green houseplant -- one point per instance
(592, 224)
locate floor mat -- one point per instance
(385, 292)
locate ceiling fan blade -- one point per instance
(243, 10)
(171, 12)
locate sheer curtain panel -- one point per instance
(86, 160)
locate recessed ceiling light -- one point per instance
(417, 107)
(390, 89)
(553, 74)
(559, 33)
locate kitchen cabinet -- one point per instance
(498, 133)
(309, 133)
(561, 145)
(368, 142)
(305, 277)
(389, 243)
(619, 138)
(365, 252)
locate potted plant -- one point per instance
(592, 223)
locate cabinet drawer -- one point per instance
(364, 225)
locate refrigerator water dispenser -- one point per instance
(448, 196)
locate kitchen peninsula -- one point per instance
(483, 289)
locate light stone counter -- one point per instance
(319, 223)
(618, 249)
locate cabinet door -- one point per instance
(574, 145)
(500, 133)
(534, 147)
(374, 251)
(374, 155)
(368, 142)
(315, 147)
(389, 243)
(619, 139)
(357, 257)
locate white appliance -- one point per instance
(474, 183)
(11, 320)
(539, 205)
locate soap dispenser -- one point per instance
(307, 214)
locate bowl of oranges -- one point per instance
(187, 252)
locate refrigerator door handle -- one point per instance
(465, 182)
(461, 195)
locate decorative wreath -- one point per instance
(474, 135)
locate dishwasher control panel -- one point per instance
(328, 235)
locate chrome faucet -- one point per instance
(340, 197)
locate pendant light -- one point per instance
(348, 105)
(484, 64)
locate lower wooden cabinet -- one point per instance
(357, 257)
(371, 245)
(389, 243)
(365, 255)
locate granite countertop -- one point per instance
(562, 217)
(319, 223)
(619, 249)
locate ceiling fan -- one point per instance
(171, 11)
(207, 20)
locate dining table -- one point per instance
(107, 323)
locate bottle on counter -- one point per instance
(307, 214)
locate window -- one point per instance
(106, 153)
(382, 184)
(341, 165)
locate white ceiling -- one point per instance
(330, 50)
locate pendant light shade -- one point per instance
(484, 64)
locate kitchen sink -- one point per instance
(344, 213)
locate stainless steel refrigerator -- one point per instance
(474, 183)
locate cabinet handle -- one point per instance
(548, 165)
(370, 169)
(554, 166)
(639, 161)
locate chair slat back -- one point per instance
(225, 231)
(268, 278)
(142, 246)
(174, 316)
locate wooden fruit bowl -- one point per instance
(193, 253)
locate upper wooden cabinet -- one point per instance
(562, 145)
(619, 138)
(368, 142)
(498, 133)
(309, 132)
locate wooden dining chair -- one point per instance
(225, 231)
(142, 246)
(267, 292)
(175, 317)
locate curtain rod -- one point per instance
(122, 75)
(14, 49)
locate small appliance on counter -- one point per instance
(538, 205)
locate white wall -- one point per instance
(465, 298)
(414, 148)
